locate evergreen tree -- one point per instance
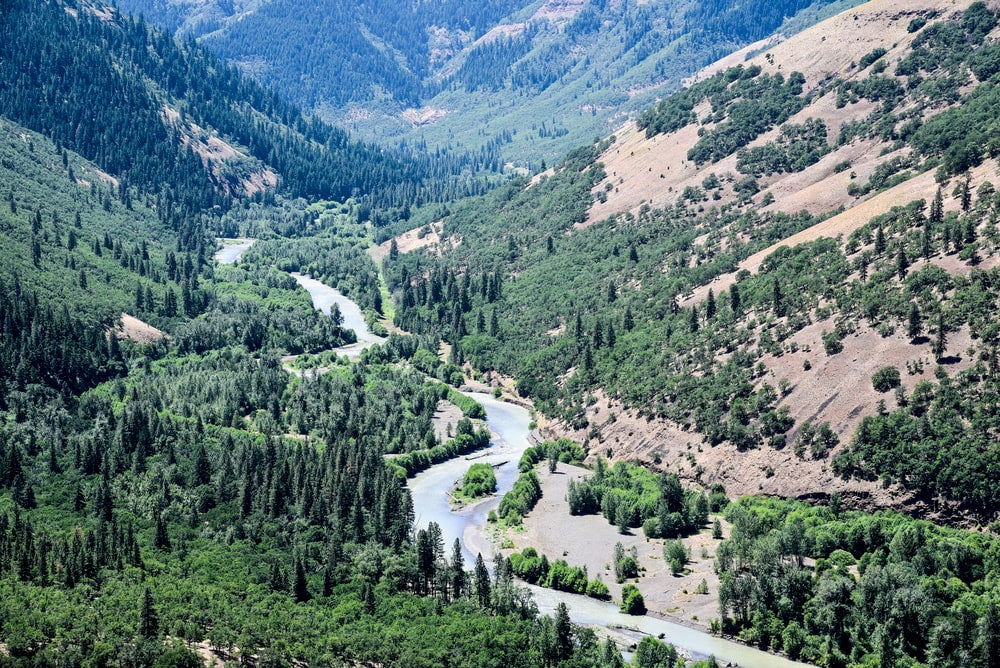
(914, 324)
(482, 582)
(937, 208)
(941, 340)
(149, 624)
(459, 584)
(161, 540)
(734, 298)
(300, 590)
(563, 632)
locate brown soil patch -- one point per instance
(655, 171)
(838, 388)
(424, 116)
(589, 541)
(445, 420)
(214, 151)
(665, 446)
(133, 329)
(923, 186)
(407, 242)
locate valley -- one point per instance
(651, 334)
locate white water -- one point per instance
(509, 424)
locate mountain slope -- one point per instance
(152, 112)
(529, 80)
(735, 291)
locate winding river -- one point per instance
(232, 250)
(509, 425)
(323, 298)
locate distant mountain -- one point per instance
(166, 118)
(530, 79)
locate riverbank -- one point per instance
(589, 541)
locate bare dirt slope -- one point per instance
(407, 242)
(656, 171)
(922, 186)
(136, 330)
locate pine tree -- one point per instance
(564, 632)
(914, 323)
(300, 590)
(941, 341)
(937, 208)
(148, 622)
(459, 584)
(902, 263)
(482, 582)
(161, 540)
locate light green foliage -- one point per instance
(676, 555)
(632, 496)
(536, 569)
(906, 568)
(651, 653)
(521, 498)
(478, 481)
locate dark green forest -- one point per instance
(479, 70)
(99, 87)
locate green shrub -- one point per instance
(632, 602)
(479, 480)
(885, 379)
(597, 589)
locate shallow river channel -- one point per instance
(509, 425)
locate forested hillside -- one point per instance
(174, 496)
(683, 334)
(780, 281)
(522, 80)
(152, 112)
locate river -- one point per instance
(232, 250)
(323, 298)
(509, 424)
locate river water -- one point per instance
(323, 298)
(509, 425)
(232, 250)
